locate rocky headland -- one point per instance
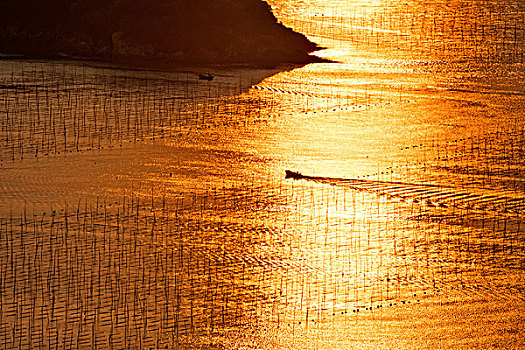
(151, 32)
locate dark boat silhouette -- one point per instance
(207, 77)
(293, 175)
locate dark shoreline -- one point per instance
(158, 66)
(153, 34)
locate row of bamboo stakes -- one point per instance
(268, 257)
(52, 109)
(468, 32)
(163, 271)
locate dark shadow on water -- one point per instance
(247, 75)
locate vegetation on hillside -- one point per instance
(175, 31)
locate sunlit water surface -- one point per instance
(145, 209)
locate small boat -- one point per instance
(207, 77)
(293, 175)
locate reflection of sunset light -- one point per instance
(399, 218)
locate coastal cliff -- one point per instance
(151, 32)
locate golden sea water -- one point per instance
(149, 209)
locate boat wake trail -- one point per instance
(430, 195)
